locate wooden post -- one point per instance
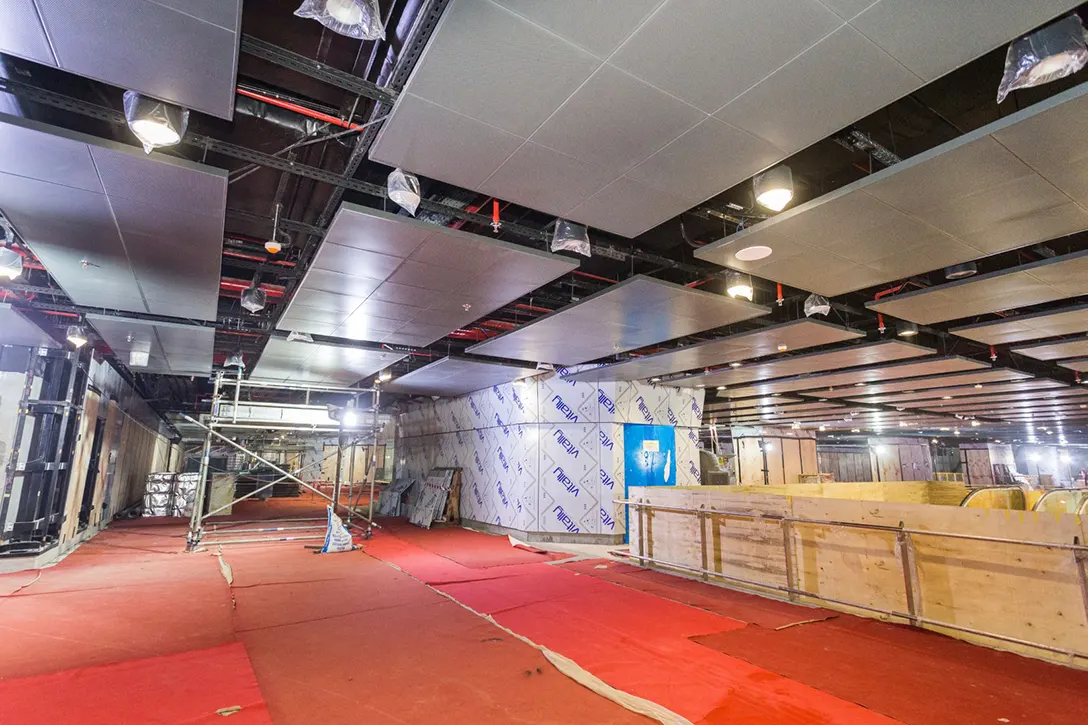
(702, 541)
(910, 574)
(787, 547)
(1080, 557)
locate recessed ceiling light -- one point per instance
(751, 254)
(721, 387)
(978, 385)
(734, 364)
(782, 347)
(946, 397)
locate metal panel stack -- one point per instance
(170, 494)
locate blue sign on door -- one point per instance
(649, 453)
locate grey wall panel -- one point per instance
(602, 96)
(183, 51)
(1028, 284)
(451, 377)
(1034, 326)
(637, 312)
(970, 197)
(390, 278)
(115, 227)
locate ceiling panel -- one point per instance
(637, 312)
(1079, 364)
(172, 349)
(1076, 347)
(885, 390)
(115, 227)
(831, 380)
(177, 50)
(452, 376)
(869, 353)
(308, 362)
(796, 335)
(988, 191)
(1006, 403)
(390, 278)
(15, 329)
(1069, 320)
(603, 122)
(1048, 280)
(921, 390)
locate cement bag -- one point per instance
(337, 536)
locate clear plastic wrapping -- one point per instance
(403, 188)
(816, 305)
(360, 19)
(1056, 51)
(571, 237)
(153, 122)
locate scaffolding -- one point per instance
(225, 418)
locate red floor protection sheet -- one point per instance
(180, 689)
(638, 643)
(468, 548)
(917, 677)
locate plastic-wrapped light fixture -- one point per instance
(403, 188)
(11, 263)
(154, 122)
(816, 305)
(254, 298)
(77, 335)
(571, 237)
(360, 19)
(961, 271)
(299, 337)
(774, 188)
(907, 329)
(138, 358)
(738, 284)
(1050, 53)
(235, 360)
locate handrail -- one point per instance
(905, 544)
(1074, 491)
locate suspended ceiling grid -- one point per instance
(637, 312)
(389, 278)
(116, 228)
(452, 376)
(1055, 350)
(1033, 326)
(18, 330)
(1048, 280)
(182, 51)
(831, 380)
(884, 391)
(307, 362)
(172, 349)
(796, 335)
(869, 353)
(1005, 185)
(598, 116)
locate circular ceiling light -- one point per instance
(751, 254)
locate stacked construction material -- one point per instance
(170, 494)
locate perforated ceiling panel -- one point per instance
(885, 391)
(1079, 364)
(1076, 347)
(183, 51)
(168, 348)
(637, 312)
(18, 330)
(600, 119)
(795, 335)
(307, 362)
(393, 279)
(115, 227)
(1052, 279)
(921, 391)
(833, 380)
(1028, 327)
(1006, 185)
(852, 356)
(457, 376)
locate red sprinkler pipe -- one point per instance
(780, 300)
(302, 110)
(495, 223)
(587, 275)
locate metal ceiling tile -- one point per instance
(22, 34)
(1056, 395)
(305, 362)
(53, 158)
(680, 167)
(795, 106)
(1028, 327)
(529, 57)
(728, 45)
(797, 335)
(1055, 350)
(832, 380)
(628, 207)
(183, 56)
(597, 27)
(451, 376)
(932, 37)
(1078, 364)
(15, 329)
(952, 202)
(1028, 284)
(637, 312)
(554, 181)
(172, 348)
(987, 382)
(584, 126)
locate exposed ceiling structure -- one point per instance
(645, 120)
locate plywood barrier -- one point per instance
(945, 493)
(1033, 594)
